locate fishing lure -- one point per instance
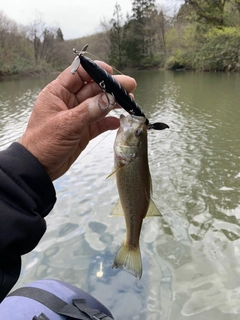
(109, 85)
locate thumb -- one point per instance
(99, 106)
(89, 111)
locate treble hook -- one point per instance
(112, 103)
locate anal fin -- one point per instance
(117, 210)
(153, 210)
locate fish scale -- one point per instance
(134, 188)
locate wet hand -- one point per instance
(66, 116)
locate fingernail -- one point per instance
(106, 100)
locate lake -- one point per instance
(191, 255)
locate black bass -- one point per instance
(134, 187)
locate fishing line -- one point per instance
(96, 57)
(82, 157)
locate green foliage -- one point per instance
(210, 46)
(133, 43)
(116, 56)
(208, 11)
(176, 62)
(143, 9)
(59, 36)
(220, 51)
(151, 61)
(215, 50)
(180, 42)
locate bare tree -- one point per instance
(35, 35)
(45, 40)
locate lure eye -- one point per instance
(138, 132)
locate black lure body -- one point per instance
(109, 85)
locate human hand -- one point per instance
(66, 116)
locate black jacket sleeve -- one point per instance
(26, 196)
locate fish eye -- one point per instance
(138, 132)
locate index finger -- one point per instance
(74, 82)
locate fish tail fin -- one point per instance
(129, 258)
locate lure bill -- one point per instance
(109, 85)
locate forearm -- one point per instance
(26, 196)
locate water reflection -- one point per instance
(191, 255)
(17, 96)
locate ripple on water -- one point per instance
(191, 255)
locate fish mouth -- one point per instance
(129, 120)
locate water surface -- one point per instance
(191, 255)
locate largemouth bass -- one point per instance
(134, 187)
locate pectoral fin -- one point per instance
(114, 171)
(153, 210)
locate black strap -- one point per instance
(93, 313)
(58, 305)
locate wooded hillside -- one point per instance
(202, 35)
